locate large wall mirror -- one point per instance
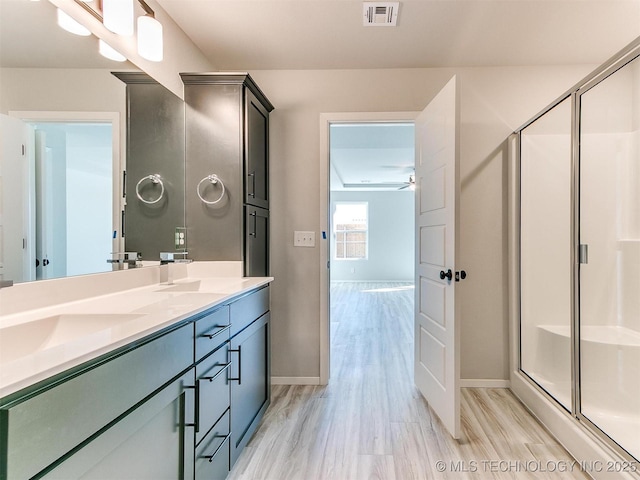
(61, 202)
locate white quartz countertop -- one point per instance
(61, 336)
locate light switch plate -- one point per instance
(304, 239)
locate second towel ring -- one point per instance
(155, 179)
(213, 179)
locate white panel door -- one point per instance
(45, 216)
(17, 201)
(437, 332)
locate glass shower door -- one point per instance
(546, 252)
(609, 234)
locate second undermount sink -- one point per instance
(30, 337)
(208, 285)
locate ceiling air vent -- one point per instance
(380, 14)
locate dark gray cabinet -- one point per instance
(256, 169)
(180, 404)
(153, 442)
(257, 242)
(46, 425)
(227, 132)
(250, 394)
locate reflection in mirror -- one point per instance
(46, 74)
(61, 198)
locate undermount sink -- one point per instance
(182, 287)
(209, 285)
(20, 340)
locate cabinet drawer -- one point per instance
(247, 309)
(211, 331)
(212, 456)
(212, 376)
(42, 428)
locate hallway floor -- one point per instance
(370, 422)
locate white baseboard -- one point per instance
(295, 380)
(410, 280)
(484, 383)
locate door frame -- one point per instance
(118, 165)
(326, 120)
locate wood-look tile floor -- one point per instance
(370, 422)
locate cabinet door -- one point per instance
(155, 441)
(257, 242)
(49, 425)
(250, 386)
(256, 152)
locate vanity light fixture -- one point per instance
(109, 52)
(117, 16)
(150, 44)
(70, 25)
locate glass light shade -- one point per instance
(109, 52)
(150, 44)
(117, 16)
(70, 25)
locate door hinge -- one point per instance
(583, 253)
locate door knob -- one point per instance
(448, 275)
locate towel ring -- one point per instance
(155, 179)
(213, 179)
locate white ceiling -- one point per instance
(368, 156)
(328, 34)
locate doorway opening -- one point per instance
(370, 236)
(70, 215)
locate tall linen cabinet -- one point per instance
(227, 169)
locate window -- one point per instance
(350, 230)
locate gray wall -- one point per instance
(493, 102)
(391, 238)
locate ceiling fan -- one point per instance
(411, 183)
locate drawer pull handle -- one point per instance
(224, 366)
(211, 457)
(197, 407)
(221, 328)
(239, 377)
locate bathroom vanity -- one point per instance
(157, 381)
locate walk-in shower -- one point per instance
(577, 233)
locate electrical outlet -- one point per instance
(181, 238)
(304, 239)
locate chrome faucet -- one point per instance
(131, 259)
(167, 258)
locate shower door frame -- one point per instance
(518, 375)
